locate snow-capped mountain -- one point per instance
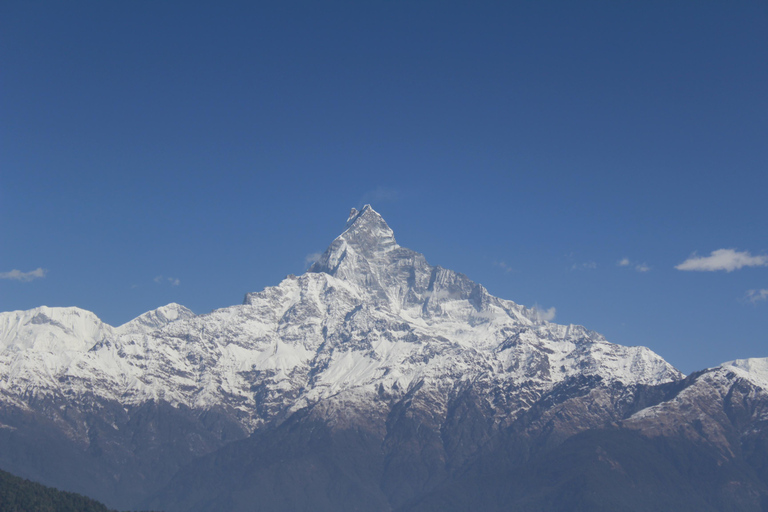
(368, 316)
(51, 330)
(426, 368)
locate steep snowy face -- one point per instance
(366, 236)
(366, 255)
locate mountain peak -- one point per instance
(367, 228)
(366, 211)
(366, 236)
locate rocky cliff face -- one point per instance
(386, 375)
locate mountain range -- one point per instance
(373, 382)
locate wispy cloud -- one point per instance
(173, 281)
(309, 259)
(754, 296)
(18, 275)
(723, 259)
(543, 315)
(503, 266)
(587, 265)
(639, 267)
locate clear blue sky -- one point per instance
(155, 152)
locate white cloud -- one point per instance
(309, 259)
(754, 296)
(18, 275)
(503, 266)
(173, 281)
(587, 265)
(544, 315)
(723, 259)
(640, 267)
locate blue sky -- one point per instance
(565, 154)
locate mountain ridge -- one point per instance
(373, 345)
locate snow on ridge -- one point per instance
(51, 329)
(59, 329)
(155, 319)
(754, 369)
